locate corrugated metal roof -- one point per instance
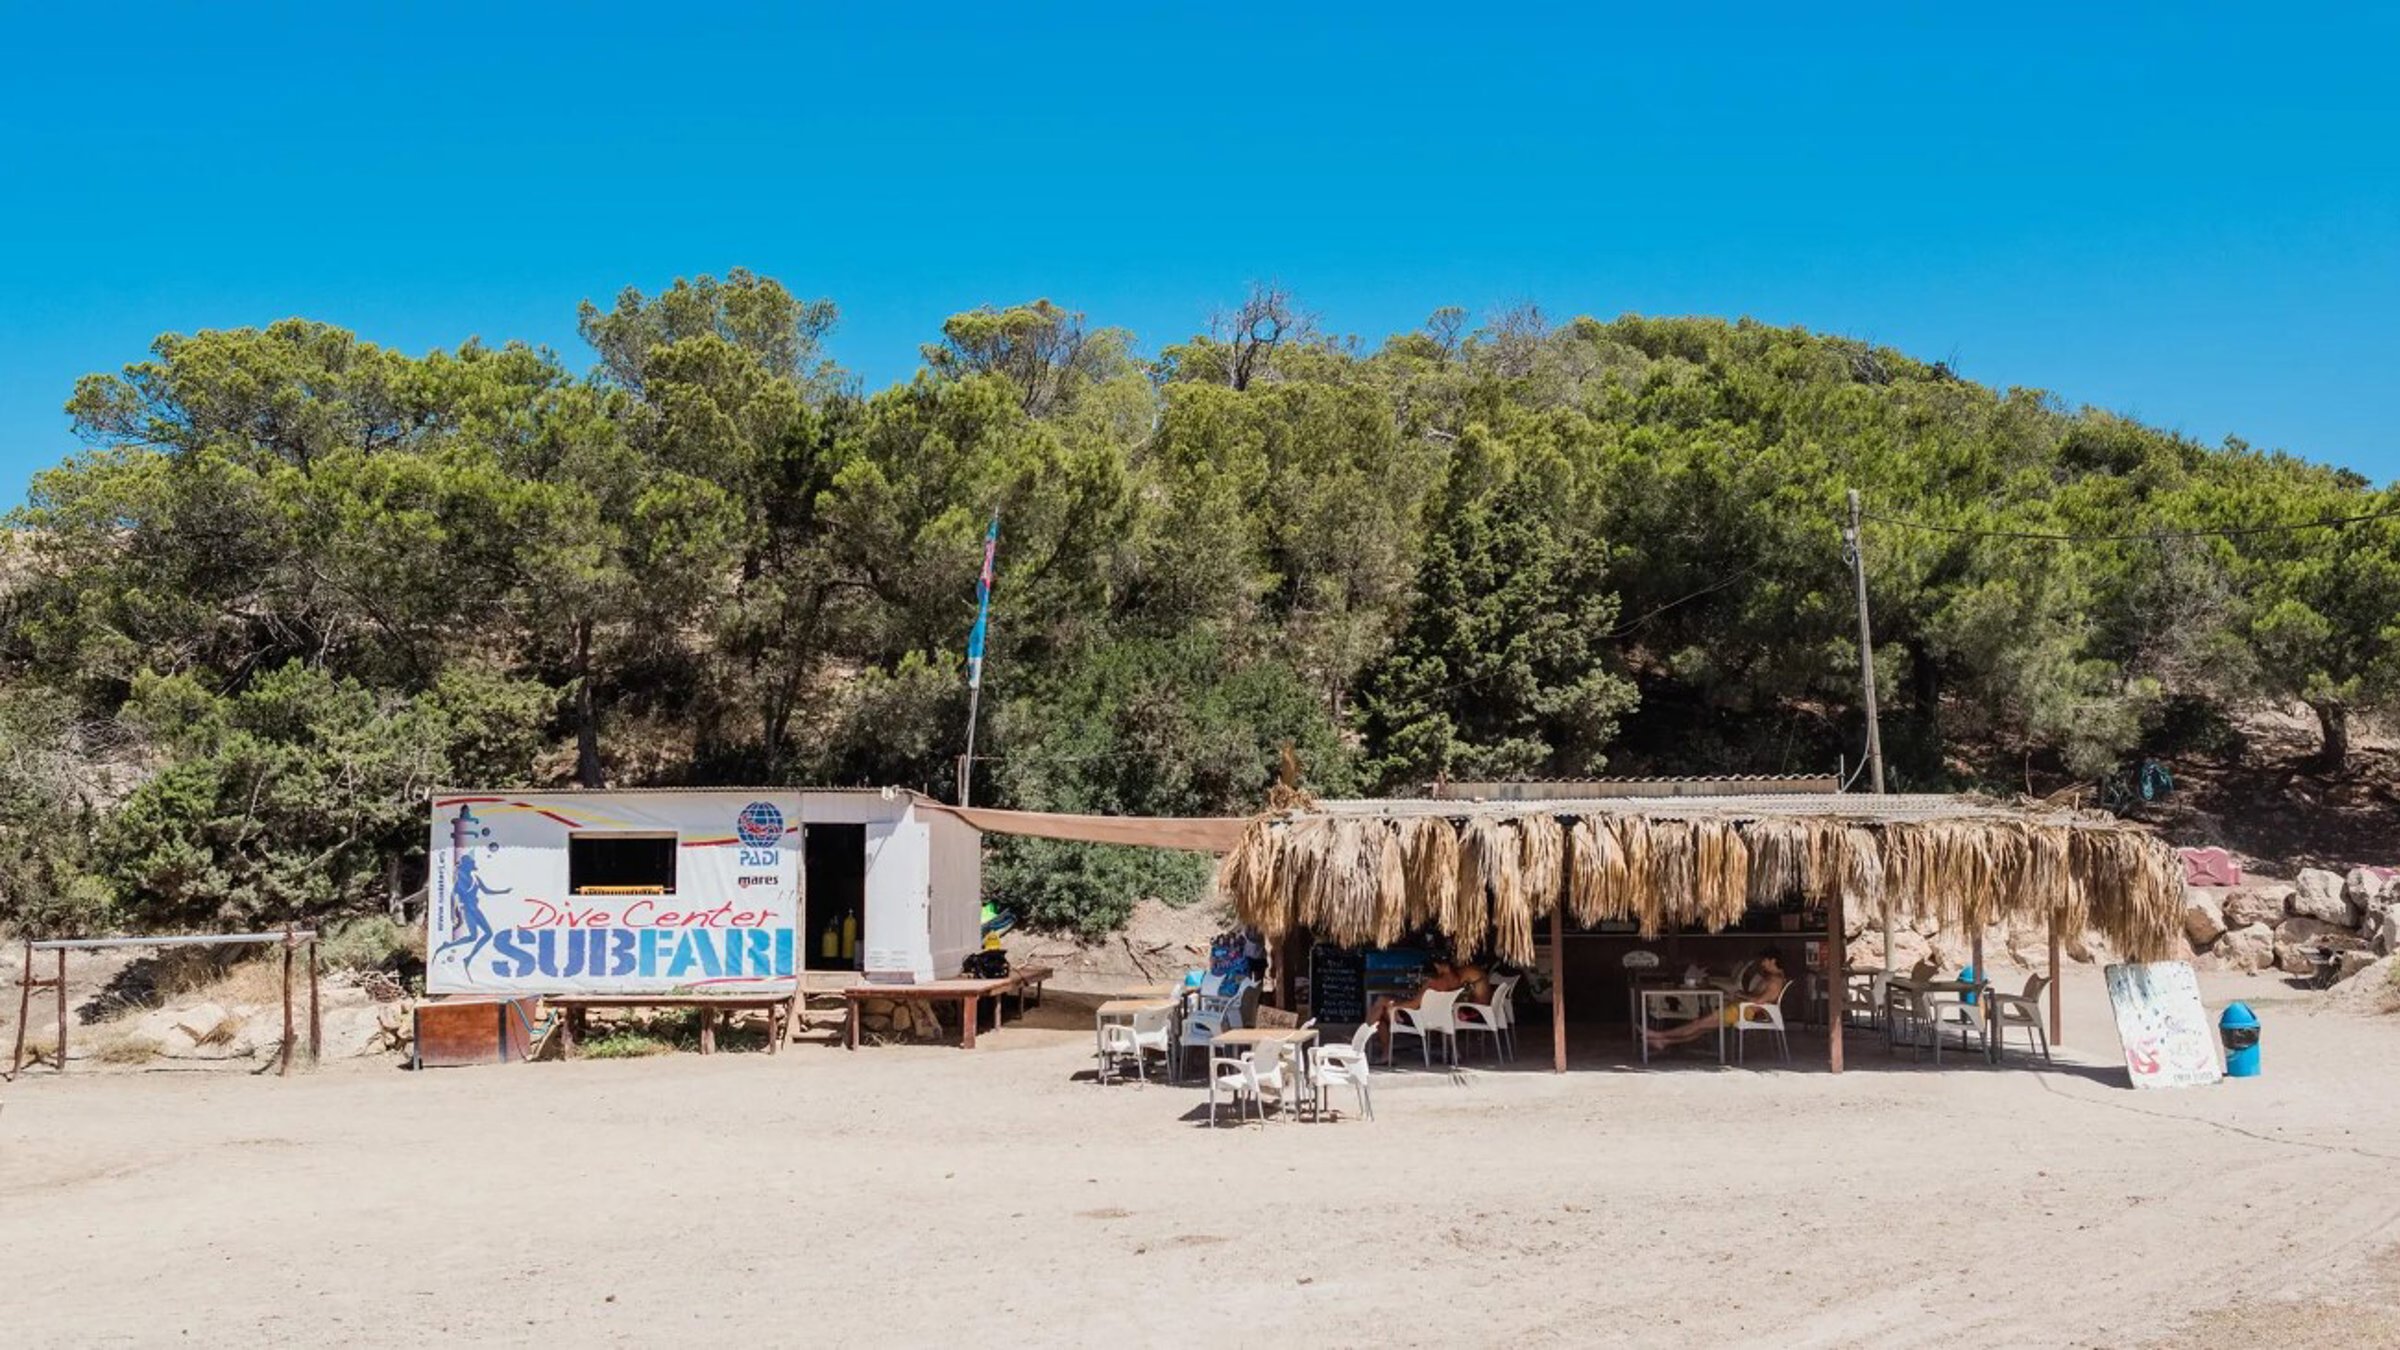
(1841, 806)
(659, 791)
(1680, 785)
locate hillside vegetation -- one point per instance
(297, 579)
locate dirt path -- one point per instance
(913, 1194)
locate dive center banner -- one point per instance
(679, 891)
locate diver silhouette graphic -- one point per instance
(468, 925)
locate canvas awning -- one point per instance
(1192, 834)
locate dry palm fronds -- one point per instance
(1542, 852)
(1667, 885)
(1246, 877)
(1486, 859)
(1432, 872)
(1599, 888)
(1391, 883)
(1484, 880)
(1528, 888)
(1778, 861)
(1720, 874)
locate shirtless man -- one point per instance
(1767, 982)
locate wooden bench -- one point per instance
(967, 994)
(777, 1007)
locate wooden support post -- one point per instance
(1983, 1004)
(16, 1059)
(2058, 1033)
(61, 977)
(285, 1067)
(316, 1019)
(1558, 988)
(1837, 993)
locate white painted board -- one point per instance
(2168, 1038)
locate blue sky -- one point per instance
(2188, 215)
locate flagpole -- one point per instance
(975, 641)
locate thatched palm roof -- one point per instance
(1481, 873)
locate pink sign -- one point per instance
(2210, 867)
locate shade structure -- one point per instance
(1482, 874)
(1190, 834)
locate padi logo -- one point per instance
(760, 825)
(747, 882)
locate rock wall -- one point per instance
(899, 1020)
(2285, 926)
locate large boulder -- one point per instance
(2318, 895)
(2367, 887)
(2296, 960)
(2305, 932)
(2249, 948)
(2261, 902)
(207, 1024)
(2203, 916)
(2375, 989)
(2348, 964)
(2380, 928)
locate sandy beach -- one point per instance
(921, 1195)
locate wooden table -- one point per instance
(777, 1007)
(967, 994)
(1287, 1040)
(1148, 991)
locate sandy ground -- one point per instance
(924, 1195)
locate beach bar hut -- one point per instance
(712, 890)
(1491, 876)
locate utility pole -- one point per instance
(1851, 541)
(975, 639)
(1854, 544)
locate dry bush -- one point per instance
(227, 1027)
(256, 982)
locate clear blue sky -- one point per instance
(2186, 216)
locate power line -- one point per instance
(2232, 532)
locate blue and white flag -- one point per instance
(983, 605)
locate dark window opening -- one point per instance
(834, 931)
(621, 864)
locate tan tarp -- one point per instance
(1194, 834)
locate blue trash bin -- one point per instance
(2239, 1030)
(1966, 975)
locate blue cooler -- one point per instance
(2239, 1030)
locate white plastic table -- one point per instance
(1705, 995)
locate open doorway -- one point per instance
(834, 932)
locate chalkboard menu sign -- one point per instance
(1337, 985)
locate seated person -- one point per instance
(1765, 985)
(1478, 981)
(1445, 977)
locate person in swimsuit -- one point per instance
(1765, 985)
(1445, 977)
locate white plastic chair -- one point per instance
(1149, 1032)
(1209, 1014)
(1758, 1018)
(1345, 1066)
(2022, 1010)
(1862, 998)
(1495, 1019)
(1436, 1016)
(1907, 1020)
(1246, 1082)
(1952, 1013)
